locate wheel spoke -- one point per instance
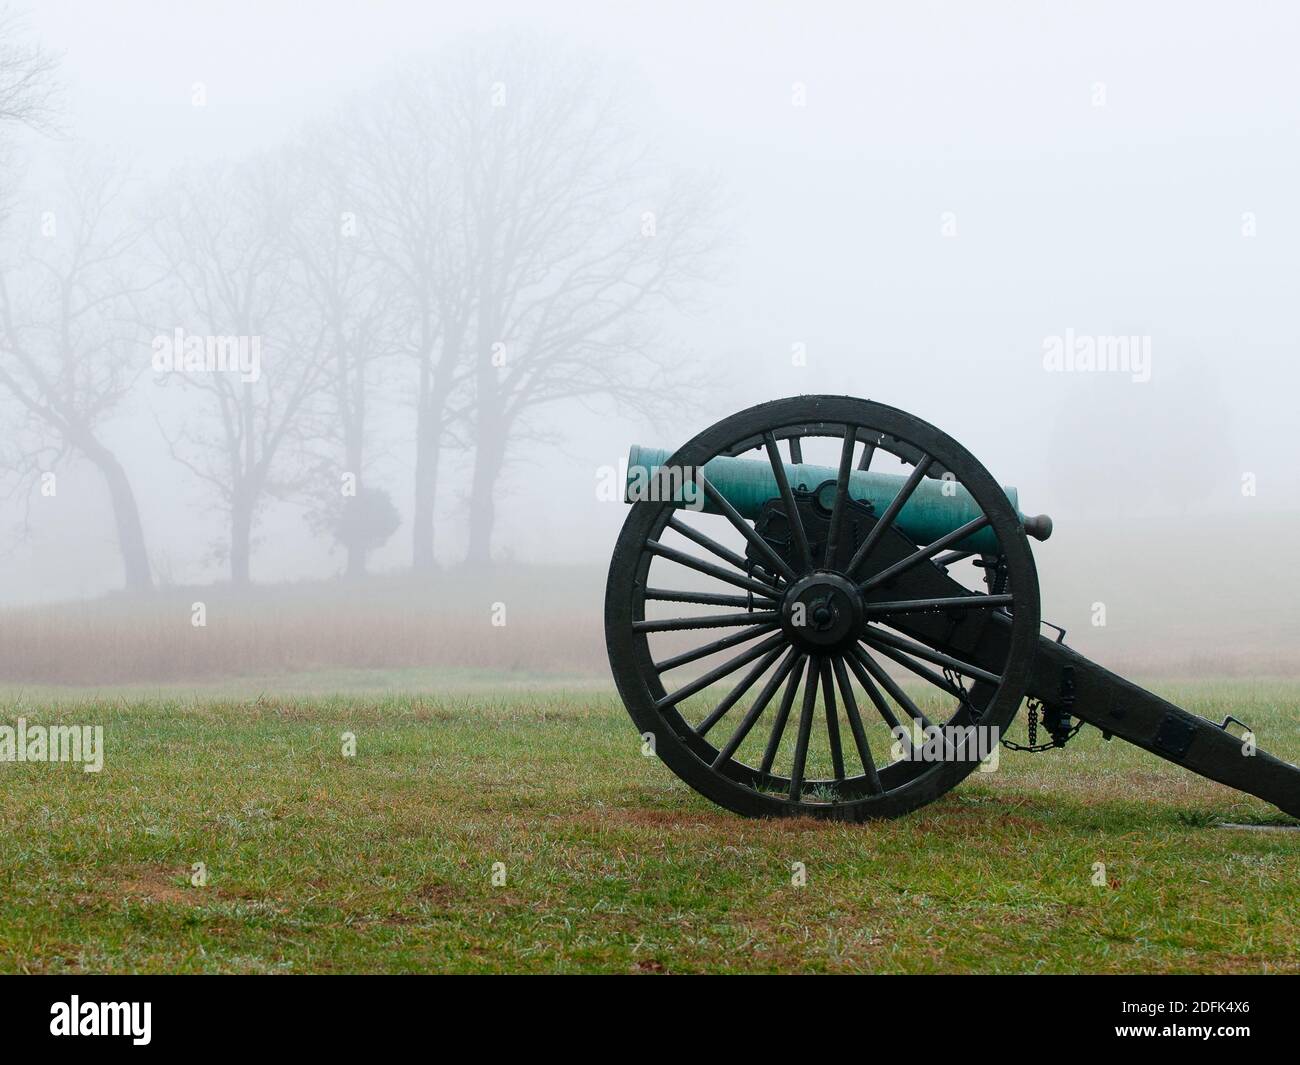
(950, 557)
(709, 544)
(868, 452)
(777, 563)
(716, 674)
(955, 602)
(665, 595)
(750, 584)
(706, 621)
(891, 512)
(841, 495)
(856, 727)
(782, 716)
(756, 710)
(796, 449)
(865, 661)
(937, 679)
(803, 555)
(805, 731)
(923, 553)
(832, 721)
(736, 693)
(937, 657)
(712, 648)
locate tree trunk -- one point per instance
(489, 452)
(490, 423)
(350, 376)
(126, 515)
(354, 546)
(489, 457)
(427, 440)
(435, 392)
(243, 494)
(354, 445)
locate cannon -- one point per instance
(787, 597)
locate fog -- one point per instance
(936, 206)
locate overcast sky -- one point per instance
(923, 196)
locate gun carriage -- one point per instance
(839, 579)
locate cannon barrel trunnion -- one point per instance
(761, 608)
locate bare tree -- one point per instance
(575, 244)
(347, 289)
(224, 235)
(70, 349)
(29, 92)
(412, 209)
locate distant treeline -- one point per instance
(484, 234)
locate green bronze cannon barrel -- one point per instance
(936, 507)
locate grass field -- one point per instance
(384, 861)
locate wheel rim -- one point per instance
(746, 730)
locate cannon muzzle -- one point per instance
(935, 508)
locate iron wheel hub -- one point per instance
(822, 613)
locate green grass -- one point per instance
(383, 862)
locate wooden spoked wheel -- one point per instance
(783, 657)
